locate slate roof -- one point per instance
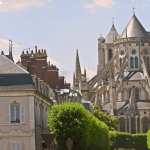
(9, 67)
(134, 29)
(15, 79)
(12, 74)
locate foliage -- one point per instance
(109, 120)
(148, 139)
(72, 120)
(128, 141)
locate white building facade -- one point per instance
(24, 104)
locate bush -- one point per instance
(148, 139)
(72, 120)
(139, 141)
(128, 141)
(110, 121)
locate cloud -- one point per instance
(15, 5)
(92, 6)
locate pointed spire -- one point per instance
(78, 67)
(77, 70)
(112, 35)
(134, 28)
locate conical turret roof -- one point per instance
(134, 29)
(112, 35)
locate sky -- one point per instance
(62, 26)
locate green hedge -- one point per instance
(72, 120)
(148, 139)
(128, 141)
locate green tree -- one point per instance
(109, 120)
(72, 120)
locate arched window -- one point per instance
(110, 54)
(134, 60)
(131, 62)
(15, 112)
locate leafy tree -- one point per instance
(72, 120)
(109, 120)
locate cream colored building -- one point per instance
(121, 86)
(24, 103)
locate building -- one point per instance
(80, 79)
(121, 86)
(36, 63)
(24, 104)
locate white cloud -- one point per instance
(92, 6)
(15, 5)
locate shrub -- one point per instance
(148, 139)
(110, 121)
(128, 141)
(139, 141)
(72, 120)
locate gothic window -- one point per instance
(131, 62)
(110, 54)
(15, 112)
(134, 60)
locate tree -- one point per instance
(72, 120)
(109, 120)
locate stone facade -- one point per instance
(121, 86)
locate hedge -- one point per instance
(72, 120)
(128, 141)
(148, 139)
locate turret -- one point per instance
(101, 58)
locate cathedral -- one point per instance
(121, 86)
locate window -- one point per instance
(134, 60)
(131, 62)
(15, 112)
(110, 54)
(16, 146)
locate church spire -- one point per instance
(78, 67)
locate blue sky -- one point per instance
(62, 26)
